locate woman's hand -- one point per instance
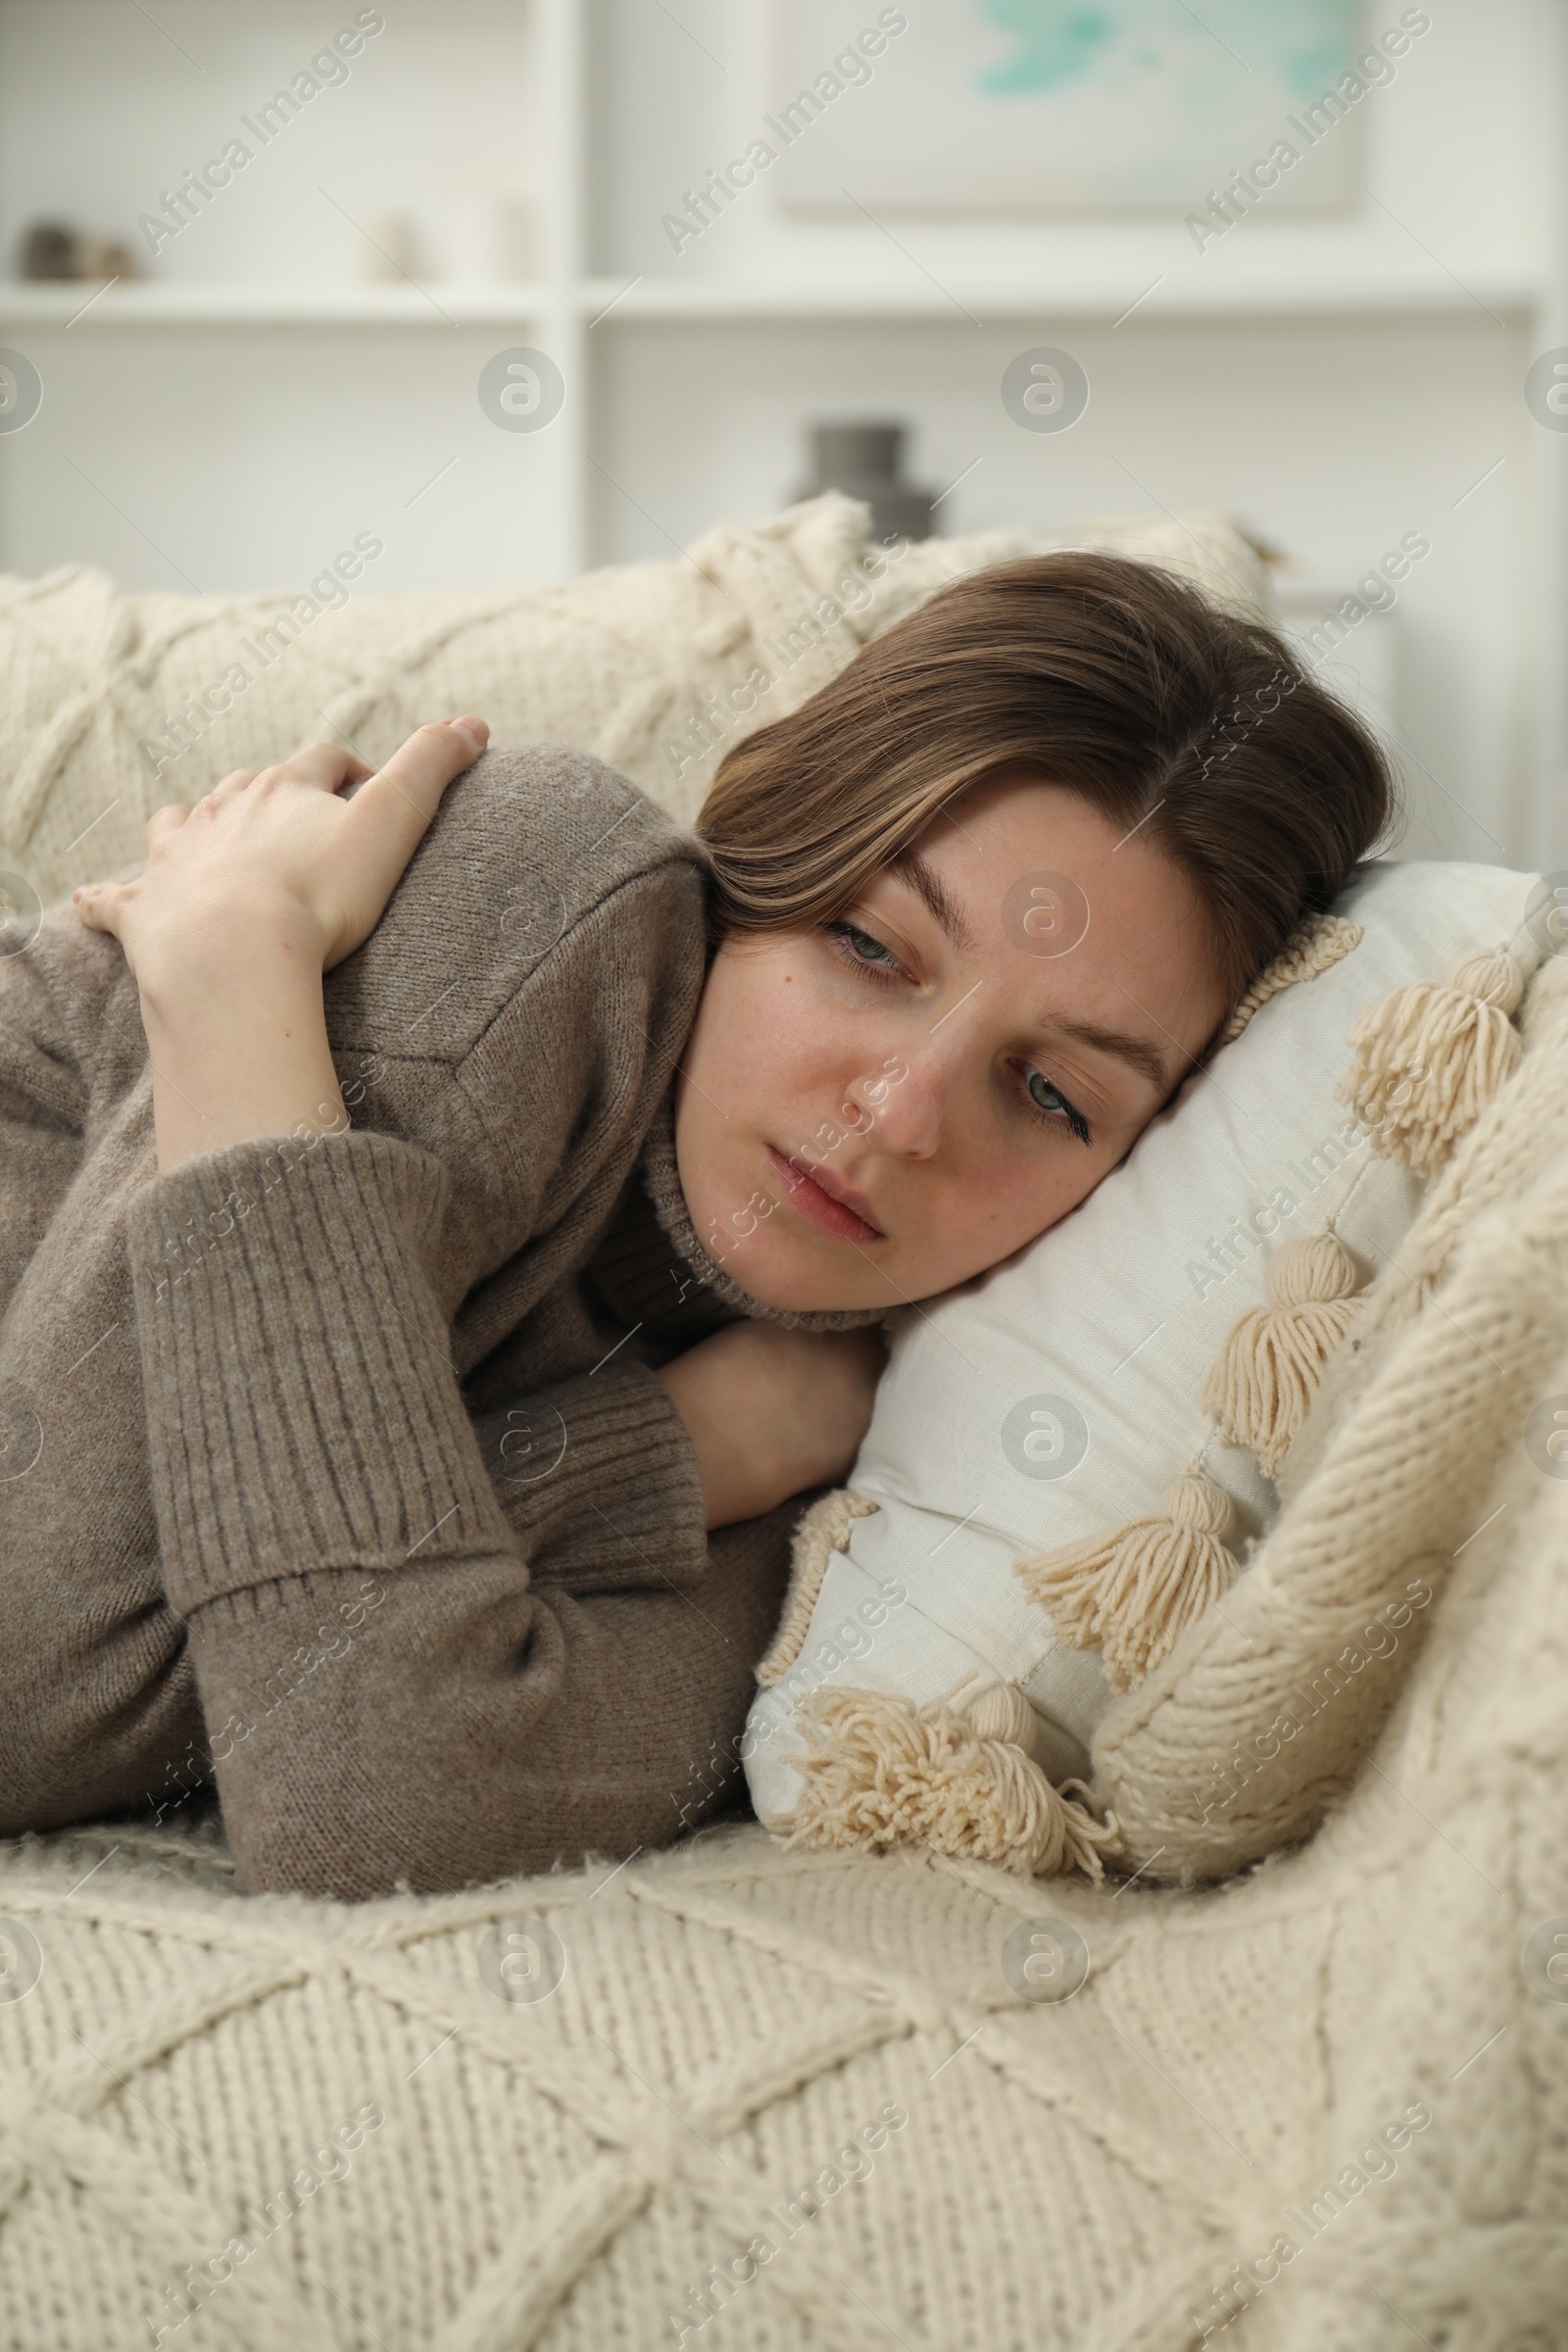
(243, 902)
(277, 857)
(771, 1412)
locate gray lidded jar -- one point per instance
(864, 461)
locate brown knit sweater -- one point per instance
(340, 1475)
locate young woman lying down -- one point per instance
(445, 1214)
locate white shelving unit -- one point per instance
(149, 303)
(1060, 293)
(1332, 382)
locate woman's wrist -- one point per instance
(215, 951)
(722, 1392)
(238, 1052)
(773, 1412)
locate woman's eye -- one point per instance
(1051, 1108)
(861, 952)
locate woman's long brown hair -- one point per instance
(1117, 680)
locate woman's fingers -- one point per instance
(228, 786)
(392, 811)
(167, 819)
(95, 904)
(327, 766)
(335, 861)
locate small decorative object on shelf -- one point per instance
(50, 250)
(390, 253)
(864, 461)
(104, 258)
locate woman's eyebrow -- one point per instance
(1144, 1057)
(941, 905)
(927, 884)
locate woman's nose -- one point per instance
(901, 1105)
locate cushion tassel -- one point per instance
(1000, 1711)
(883, 1773)
(1265, 1377)
(1429, 1056)
(822, 1530)
(1132, 1593)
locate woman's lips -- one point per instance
(819, 1207)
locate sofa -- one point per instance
(785, 2098)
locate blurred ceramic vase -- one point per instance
(389, 253)
(52, 250)
(48, 249)
(105, 258)
(864, 460)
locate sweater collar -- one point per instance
(661, 1177)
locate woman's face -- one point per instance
(874, 1111)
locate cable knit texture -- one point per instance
(838, 2099)
(1266, 1711)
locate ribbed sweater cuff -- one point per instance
(599, 1475)
(303, 1412)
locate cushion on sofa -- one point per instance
(1059, 1395)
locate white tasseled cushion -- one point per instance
(1056, 1398)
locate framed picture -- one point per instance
(1060, 106)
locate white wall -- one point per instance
(1333, 383)
(215, 457)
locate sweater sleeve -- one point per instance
(43, 1098)
(372, 1656)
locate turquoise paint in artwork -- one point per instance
(1307, 44)
(1053, 45)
